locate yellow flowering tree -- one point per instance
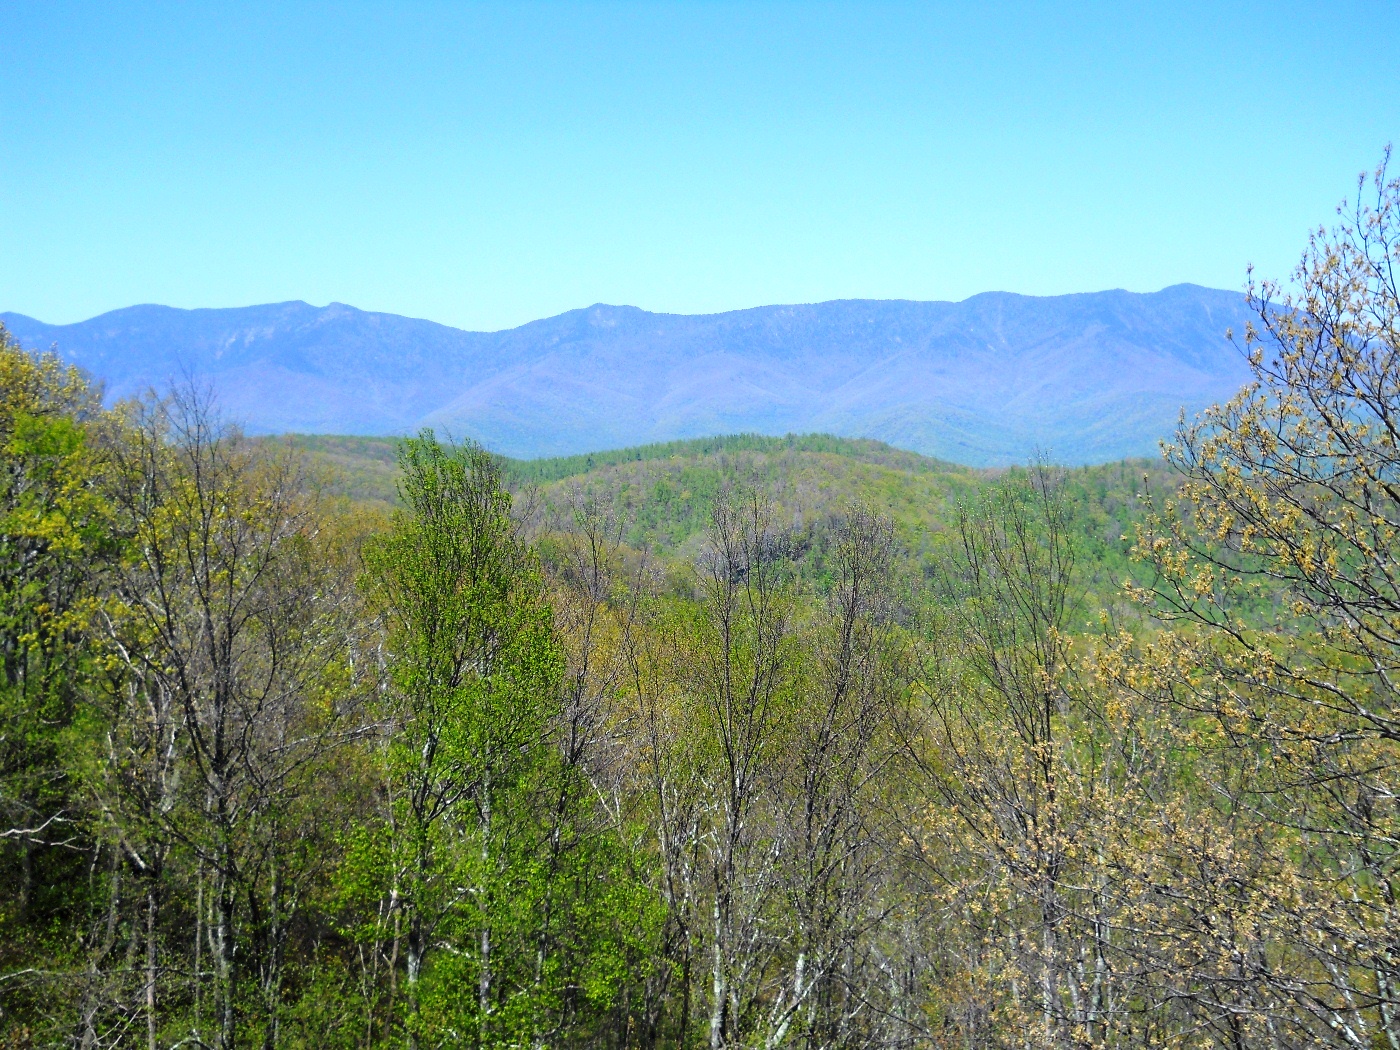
(1278, 566)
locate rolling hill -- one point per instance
(662, 495)
(1091, 377)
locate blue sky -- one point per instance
(484, 165)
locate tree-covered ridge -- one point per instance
(863, 449)
(366, 467)
(664, 494)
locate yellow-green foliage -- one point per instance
(741, 742)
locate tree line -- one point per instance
(281, 770)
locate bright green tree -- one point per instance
(53, 536)
(490, 863)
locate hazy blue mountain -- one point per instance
(1091, 377)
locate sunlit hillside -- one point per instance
(661, 496)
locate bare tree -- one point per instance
(835, 850)
(743, 677)
(999, 753)
(227, 629)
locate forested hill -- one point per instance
(986, 381)
(662, 496)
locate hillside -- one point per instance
(662, 495)
(986, 381)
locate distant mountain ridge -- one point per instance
(1090, 377)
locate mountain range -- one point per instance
(986, 381)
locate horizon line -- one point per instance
(600, 305)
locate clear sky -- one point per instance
(484, 165)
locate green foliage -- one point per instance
(55, 532)
(734, 742)
(502, 886)
(466, 866)
(665, 493)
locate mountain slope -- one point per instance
(1090, 377)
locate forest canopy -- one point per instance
(682, 759)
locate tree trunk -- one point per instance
(484, 980)
(151, 906)
(224, 947)
(413, 956)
